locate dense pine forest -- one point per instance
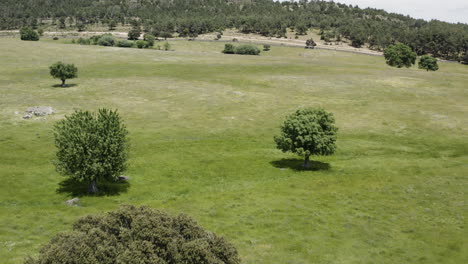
(374, 28)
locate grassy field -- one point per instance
(202, 124)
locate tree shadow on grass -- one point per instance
(78, 189)
(66, 85)
(298, 165)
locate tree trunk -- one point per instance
(63, 82)
(92, 187)
(307, 162)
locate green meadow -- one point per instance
(201, 127)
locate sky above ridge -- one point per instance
(453, 11)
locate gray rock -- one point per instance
(72, 202)
(28, 116)
(124, 178)
(40, 110)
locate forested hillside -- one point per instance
(375, 28)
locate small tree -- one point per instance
(137, 235)
(266, 47)
(27, 33)
(150, 39)
(464, 59)
(112, 24)
(80, 26)
(134, 33)
(399, 56)
(308, 132)
(428, 63)
(310, 44)
(106, 40)
(63, 71)
(91, 147)
(167, 46)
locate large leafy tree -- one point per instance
(428, 63)
(140, 235)
(399, 56)
(308, 132)
(63, 71)
(91, 147)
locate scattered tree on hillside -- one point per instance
(91, 147)
(134, 33)
(308, 132)
(112, 24)
(464, 59)
(150, 39)
(80, 26)
(428, 63)
(310, 44)
(27, 33)
(399, 56)
(63, 71)
(137, 235)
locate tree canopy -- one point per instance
(63, 71)
(140, 235)
(399, 56)
(307, 132)
(91, 147)
(428, 63)
(163, 18)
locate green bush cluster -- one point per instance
(244, 49)
(27, 33)
(109, 40)
(137, 235)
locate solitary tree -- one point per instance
(308, 132)
(428, 63)
(399, 55)
(91, 147)
(137, 235)
(63, 71)
(27, 33)
(310, 44)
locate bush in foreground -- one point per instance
(399, 56)
(124, 44)
(91, 147)
(27, 33)
(308, 132)
(229, 49)
(137, 235)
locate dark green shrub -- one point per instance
(399, 55)
(134, 34)
(137, 235)
(266, 47)
(428, 63)
(310, 44)
(464, 59)
(27, 33)
(150, 39)
(124, 44)
(83, 41)
(106, 40)
(229, 49)
(141, 44)
(247, 50)
(55, 38)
